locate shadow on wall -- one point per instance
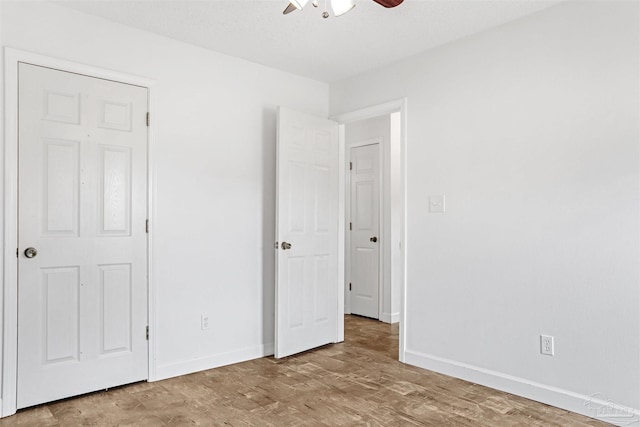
(269, 118)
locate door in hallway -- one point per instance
(365, 229)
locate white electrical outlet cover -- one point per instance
(204, 322)
(546, 345)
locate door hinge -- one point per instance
(349, 286)
(17, 252)
(146, 226)
(148, 119)
(350, 166)
(350, 226)
(147, 333)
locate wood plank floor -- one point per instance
(358, 382)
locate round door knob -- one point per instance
(286, 246)
(373, 239)
(30, 252)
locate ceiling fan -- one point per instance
(340, 7)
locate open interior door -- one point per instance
(307, 233)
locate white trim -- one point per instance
(399, 105)
(390, 317)
(211, 362)
(10, 297)
(341, 234)
(2, 218)
(152, 209)
(565, 399)
(379, 141)
(10, 162)
(383, 177)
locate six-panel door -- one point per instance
(365, 224)
(307, 219)
(82, 300)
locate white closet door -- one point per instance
(82, 299)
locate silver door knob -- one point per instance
(286, 246)
(30, 252)
(373, 239)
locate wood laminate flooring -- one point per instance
(358, 382)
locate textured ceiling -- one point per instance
(304, 43)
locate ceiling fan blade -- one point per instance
(289, 9)
(389, 3)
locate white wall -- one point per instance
(356, 132)
(531, 130)
(214, 153)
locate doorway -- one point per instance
(385, 125)
(77, 180)
(372, 261)
(303, 136)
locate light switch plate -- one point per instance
(436, 204)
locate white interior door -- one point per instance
(307, 220)
(82, 299)
(365, 229)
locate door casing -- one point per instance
(10, 185)
(395, 106)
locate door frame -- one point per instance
(381, 200)
(12, 57)
(394, 106)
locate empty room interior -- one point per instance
(369, 212)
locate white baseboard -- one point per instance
(596, 406)
(390, 317)
(202, 364)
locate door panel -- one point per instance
(62, 178)
(115, 308)
(365, 219)
(307, 218)
(322, 294)
(61, 306)
(114, 190)
(82, 300)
